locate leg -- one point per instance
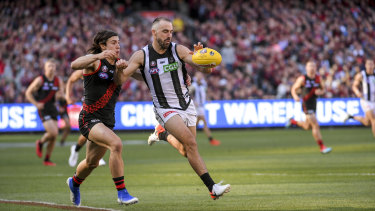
(176, 144)
(50, 137)
(371, 116)
(176, 126)
(94, 153)
(207, 131)
(315, 129)
(74, 149)
(66, 130)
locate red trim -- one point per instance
(122, 186)
(100, 64)
(102, 101)
(52, 93)
(42, 79)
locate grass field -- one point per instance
(268, 169)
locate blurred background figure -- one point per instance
(198, 91)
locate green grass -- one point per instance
(268, 170)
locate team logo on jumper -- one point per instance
(95, 120)
(203, 51)
(45, 86)
(103, 75)
(104, 68)
(170, 67)
(153, 63)
(167, 113)
(154, 71)
(171, 59)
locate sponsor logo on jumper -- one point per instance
(212, 53)
(95, 120)
(170, 67)
(103, 75)
(154, 70)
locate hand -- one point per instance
(121, 64)
(297, 99)
(198, 46)
(39, 106)
(319, 92)
(108, 54)
(69, 100)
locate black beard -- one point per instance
(162, 44)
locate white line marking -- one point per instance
(53, 205)
(29, 144)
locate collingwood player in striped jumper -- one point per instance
(366, 79)
(162, 65)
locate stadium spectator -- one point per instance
(270, 38)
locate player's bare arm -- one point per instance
(321, 90)
(60, 92)
(34, 86)
(74, 77)
(135, 62)
(356, 85)
(296, 86)
(186, 55)
(90, 62)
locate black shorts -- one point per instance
(86, 123)
(48, 113)
(309, 107)
(64, 115)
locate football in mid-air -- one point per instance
(207, 57)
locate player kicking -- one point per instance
(366, 79)
(311, 87)
(162, 65)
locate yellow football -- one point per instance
(207, 57)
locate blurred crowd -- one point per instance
(264, 43)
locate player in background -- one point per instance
(42, 93)
(162, 66)
(74, 149)
(366, 80)
(63, 113)
(198, 90)
(311, 87)
(97, 117)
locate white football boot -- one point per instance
(218, 190)
(73, 158)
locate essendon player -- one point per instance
(97, 117)
(311, 87)
(42, 93)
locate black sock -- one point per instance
(351, 117)
(47, 158)
(40, 145)
(210, 138)
(163, 135)
(119, 182)
(78, 147)
(207, 180)
(77, 181)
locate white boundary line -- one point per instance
(6, 145)
(53, 205)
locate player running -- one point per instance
(366, 79)
(162, 65)
(311, 87)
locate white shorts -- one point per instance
(189, 116)
(367, 105)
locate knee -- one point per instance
(52, 133)
(116, 146)
(190, 145)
